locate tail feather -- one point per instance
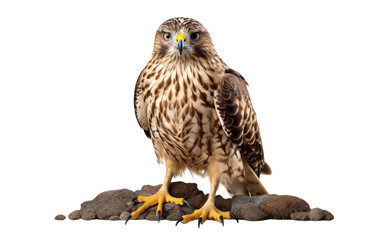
(253, 183)
(266, 169)
(250, 186)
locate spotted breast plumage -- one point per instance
(198, 114)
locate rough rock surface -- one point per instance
(107, 204)
(281, 207)
(248, 208)
(118, 205)
(172, 211)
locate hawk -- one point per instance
(199, 116)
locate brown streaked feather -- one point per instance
(238, 118)
(137, 97)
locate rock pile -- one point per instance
(118, 204)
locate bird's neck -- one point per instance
(208, 70)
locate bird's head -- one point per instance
(183, 38)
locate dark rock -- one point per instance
(152, 209)
(168, 208)
(281, 207)
(144, 215)
(60, 217)
(130, 208)
(197, 201)
(134, 207)
(249, 212)
(328, 216)
(301, 216)
(151, 189)
(222, 204)
(75, 215)
(111, 208)
(152, 216)
(186, 210)
(256, 200)
(248, 208)
(107, 204)
(317, 214)
(183, 190)
(172, 211)
(143, 193)
(113, 218)
(124, 215)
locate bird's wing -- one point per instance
(140, 106)
(238, 118)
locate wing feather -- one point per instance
(140, 106)
(238, 118)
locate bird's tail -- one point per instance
(253, 183)
(266, 169)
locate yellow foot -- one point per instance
(208, 211)
(162, 196)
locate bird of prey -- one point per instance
(199, 116)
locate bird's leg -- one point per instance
(208, 210)
(162, 196)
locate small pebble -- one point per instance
(75, 215)
(317, 214)
(113, 218)
(124, 215)
(60, 217)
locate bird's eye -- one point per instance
(195, 36)
(166, 36)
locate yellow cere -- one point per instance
(180, 36)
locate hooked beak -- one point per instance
(180, 46)
(180, 42)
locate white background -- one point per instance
(68, 130)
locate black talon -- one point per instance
(199, 221)
(185, 202)
(222, 220)
(134, 199)
(158, 216)
(179, 220)
(128, 218)
(234, 217)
